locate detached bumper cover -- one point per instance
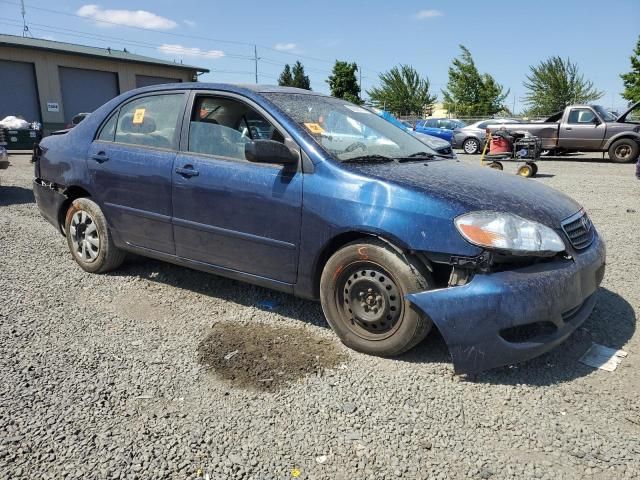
(49, 202)
(473, 318)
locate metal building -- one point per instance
(50, 82)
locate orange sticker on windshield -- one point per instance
(314, 128)
(138, 116)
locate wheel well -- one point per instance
(336, 244)
(625, 137)
(71, 193)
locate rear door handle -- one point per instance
(187, 171)
(567, 128)
(100, 157)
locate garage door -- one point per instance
(18, 91)
(86, 90)
(145, 80)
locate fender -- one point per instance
(628, 134)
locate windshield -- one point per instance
(604, 114)
(348, 131)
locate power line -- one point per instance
(181, 35)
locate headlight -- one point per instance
(508, 232)
(436, 143)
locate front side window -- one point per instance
(347, 131)
(108, 131)
(221, 127)
(581, 115)
(150, 121)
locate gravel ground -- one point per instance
(125, 376)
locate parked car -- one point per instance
(589, 128)
(389, 237)
(442, 147)
(439, 127)
(76, 120)
(471, 139)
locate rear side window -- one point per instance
(431, 123)
(150, 121)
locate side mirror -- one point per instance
(269, 151)
(595, 121)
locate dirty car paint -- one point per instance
(410, 205)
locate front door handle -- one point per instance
(100, 157)
(187, 171)
(567, 128)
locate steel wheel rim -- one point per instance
(471, 143)
(369, 301)
(623, 151)
(84, 236)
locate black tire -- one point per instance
(625, 150)
(471, 146)
(362, 292)
(89, 239)
(534, 167)
(496, 166)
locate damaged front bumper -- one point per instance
(511, 316)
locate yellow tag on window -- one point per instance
(314, 128)
(138, 116)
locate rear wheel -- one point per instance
(496, 166)
(89, 238)
(363, 289)
(625, 150)
(471, 146)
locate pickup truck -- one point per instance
(588, 128)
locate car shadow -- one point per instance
(612, 323)
(544, 175)
(12, 195)
(223, 288)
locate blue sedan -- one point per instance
(439, 127)
(320, 198)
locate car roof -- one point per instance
(231, 87)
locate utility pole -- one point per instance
(513, 110)
(25, 27)
(255, 59)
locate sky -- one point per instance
(504, 37)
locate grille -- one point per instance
(579, 230)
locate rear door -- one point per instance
(228, 212)
(582, 129)
(131, 166)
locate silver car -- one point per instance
(472, 137)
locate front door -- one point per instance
(228, 212)
(582, 130)
(131, 168)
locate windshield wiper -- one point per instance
(368, 159)
(417, 156)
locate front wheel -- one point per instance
(625, 150)
(471, 146)
(362, 291)
(89, 238)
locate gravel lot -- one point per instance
(125, 376)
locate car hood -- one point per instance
(472, 188)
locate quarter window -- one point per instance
(150, 121)
(108, 131)
(222, 127)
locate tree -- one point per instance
(300, 80)
(402, 91)
(631, 80)
(470, 93)
(555, 83)
(285, 79)
(343, 82)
